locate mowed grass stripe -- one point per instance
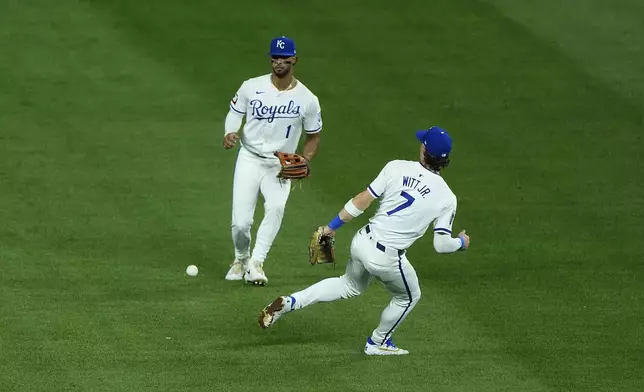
(288, 272)
(85, 191)
(613, 30)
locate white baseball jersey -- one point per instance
(411, 198)
(275, 119)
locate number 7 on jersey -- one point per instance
(409, 202)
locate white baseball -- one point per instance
(192, 270)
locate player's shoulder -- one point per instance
(446, 193)
(438, 184)
(401, 164)
(449, 195)
(258, 80)
(395, 168)
(304, 90)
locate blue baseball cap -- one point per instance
(437, 141)
(282, 46)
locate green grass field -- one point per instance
(113, 180)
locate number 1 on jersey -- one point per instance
(410, 201)
(288, 130)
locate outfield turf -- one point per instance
(113, 180)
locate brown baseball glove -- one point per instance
(321, 248)
(294, 166)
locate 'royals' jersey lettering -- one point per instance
(411, 199)
(289, 110)
(275, 119)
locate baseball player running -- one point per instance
(412, 195)
(277, 107)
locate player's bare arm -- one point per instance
(362, 201)
(353, 209)
(311, 145)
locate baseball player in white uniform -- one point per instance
(412, 196)
(277, 108)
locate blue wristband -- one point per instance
(336, 223)
(462, 242)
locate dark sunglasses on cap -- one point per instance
(280, 57)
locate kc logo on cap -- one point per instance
(282, 46)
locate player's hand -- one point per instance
(327, 230)
(466, 239)
(230, 140)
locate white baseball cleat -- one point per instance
(255, 273)
(236, 271)
(276, 309)
(387, 348)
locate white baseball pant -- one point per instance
(254, 174)
(369, 259)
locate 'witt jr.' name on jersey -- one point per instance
(411, 198)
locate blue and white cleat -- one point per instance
(387, 348)
(276, 309)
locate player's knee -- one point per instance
(242, 225)
(276, 208)
(351, 291)
(415, 297)
(408, 298)
(351, 287)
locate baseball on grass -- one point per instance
(192, 270)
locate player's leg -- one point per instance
(402, 282)
(354, 282)
(245, 192)
(275, 192)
